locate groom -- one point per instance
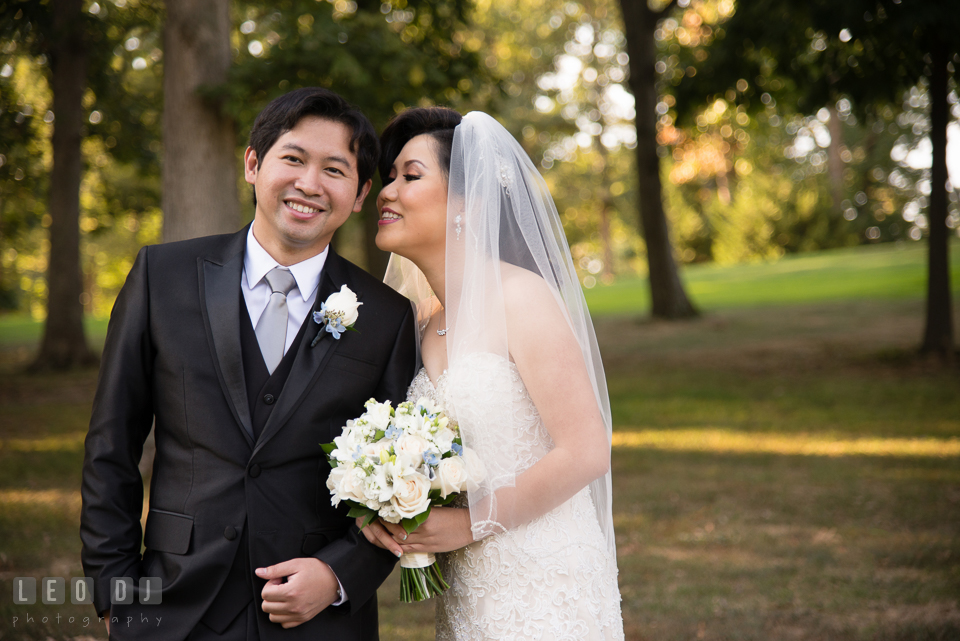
(213, 340)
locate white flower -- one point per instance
(378, 451)
(351, 486)
(378, 415)
(476, 472)
(344, 303)
(451, 476)
(444, 439)
(411, 447)
(411, 495)
(336, 475)
(389, 513)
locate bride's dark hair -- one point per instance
(437, 122)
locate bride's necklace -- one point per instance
(442, 332)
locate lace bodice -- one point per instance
(487, 389)
(551, 578)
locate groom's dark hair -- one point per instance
(283, 114)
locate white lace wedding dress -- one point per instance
(549, 579)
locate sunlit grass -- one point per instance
(42, 498)
(64, 443)
(728, 441)
(888, 271)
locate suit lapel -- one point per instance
(220, 285)
(309, 360)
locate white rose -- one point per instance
(344, 302)
(476, 471)
(411, 447)
(351, 487)
(411, 495)
(451, 476)
(336, 475)
(373, 450)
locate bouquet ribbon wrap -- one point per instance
(414, 560)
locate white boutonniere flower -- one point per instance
(337, 314)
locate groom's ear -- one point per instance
(358, 205)
(250, 165)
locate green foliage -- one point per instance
(381, 57)
(120, 192)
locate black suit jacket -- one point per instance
(173, 356)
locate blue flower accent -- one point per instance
(357, 454)
(457, 449)
(393, 432)
(332, 322)
(430, 458)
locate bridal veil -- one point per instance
(501, 217)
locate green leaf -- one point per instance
(367, 521)
(356, 511)
(328, 448)
(412, 524)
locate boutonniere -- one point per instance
(337, 314)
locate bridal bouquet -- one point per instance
(397, 464)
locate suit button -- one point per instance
(269, 399)
(254, 470)
(230, 533)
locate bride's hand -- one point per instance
(447, 528)
(378, 534)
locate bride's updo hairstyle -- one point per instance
(437, 122)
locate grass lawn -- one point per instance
(784, 466)
(888, 271)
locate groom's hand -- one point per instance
(310, 587)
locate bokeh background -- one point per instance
(759, 198)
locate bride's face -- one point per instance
(413, 204)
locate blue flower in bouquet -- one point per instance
(393, 432)
(430, 458)
(457, 449)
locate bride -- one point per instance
(509, 351)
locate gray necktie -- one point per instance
(272, 326)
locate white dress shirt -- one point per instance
(256, 293)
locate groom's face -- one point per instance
(306, 187)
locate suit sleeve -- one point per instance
(360, 566)
(112, 489)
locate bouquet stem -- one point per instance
(420, 577)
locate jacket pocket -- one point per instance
(168, 532)
(313, 542)
(355, 366)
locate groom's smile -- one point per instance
(306, 187)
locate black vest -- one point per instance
(263, 390)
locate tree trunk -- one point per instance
(199, 141)
(64, 345)
(938, 334)
(668, 298)
(834, 161)
(606, 207)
